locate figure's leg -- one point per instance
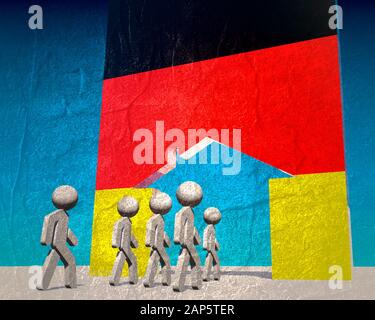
(70, 272)
(182, 264)
(196, 272)
(165, 267)
(216, 262)
(152, 269)
(49, 268)
(117, 269)
(207, 267)
(133, 267)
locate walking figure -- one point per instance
(189, 194)
(56, 233)
(124, 240)
(212, 216)
(157, 239)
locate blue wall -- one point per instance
(357, 50)
(51, 84)
(243, 199)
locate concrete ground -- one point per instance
(235, 283)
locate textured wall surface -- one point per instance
(243, 233)
(243, 199)
(105, 216)
(50, 103)
(51, 97)
(357, 47)
(309, 227)
(279, 97)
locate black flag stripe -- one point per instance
(146, 35)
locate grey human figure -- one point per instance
(124, 240)
(56, 233)
(157, 239)
(189, 194)
(211, 216)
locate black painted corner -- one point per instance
(149, 34)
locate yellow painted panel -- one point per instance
(309, 227)
(105, 216)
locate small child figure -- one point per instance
(211, 216)
(124, 240)
(157, 239)
(57, 233)
(189, 194)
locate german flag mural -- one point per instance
(254, 91)
(267, 105)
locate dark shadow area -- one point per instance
(61, 287)
(124, 283)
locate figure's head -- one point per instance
(189, 194)
(64, 197)
(212, 216)
(128, 207)
(160, 203)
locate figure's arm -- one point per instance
(150, 233)
(167, 241)
(217, 246)
(133, 241)
(72, 239)
(48, 229)
(116, 235)
(197, 238)
(179, 228)
(205, 239)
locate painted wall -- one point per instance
(50, 89)
(357, 48)
(50, 100)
